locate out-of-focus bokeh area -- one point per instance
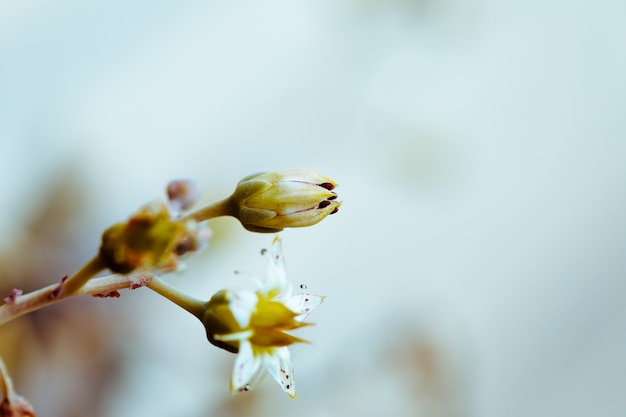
(476, 268)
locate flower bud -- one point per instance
(146, 240)
(269, 202)
(218, 319)
(182, 194)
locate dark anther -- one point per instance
(323, 204)
(327, 185)
(335, 210)
(332, 197)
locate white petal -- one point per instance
(303, 304)
(278, 365)
(275, 277)
(247, 368)
(242, 304)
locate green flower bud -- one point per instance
(148, 239)
(218, 319)
(269, 202)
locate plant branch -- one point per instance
(23, 304)
(6, 385)
(192, 305)
(82, 276)
(221, 208)
(12, 405)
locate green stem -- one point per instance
(221, 208)
(192, 305)
(84, 274)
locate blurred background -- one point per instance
(476, 268)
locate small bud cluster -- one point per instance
(152, 238)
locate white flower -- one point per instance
(255, 325)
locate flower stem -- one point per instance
(35, 300)
(192, 305)
(12, 404)
(6, 385)
(84, 274)
(221, 208)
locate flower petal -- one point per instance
(303, 304)
(278, 365)
(270, 314)
(275, 283)
(242, 304)
(248, 368)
